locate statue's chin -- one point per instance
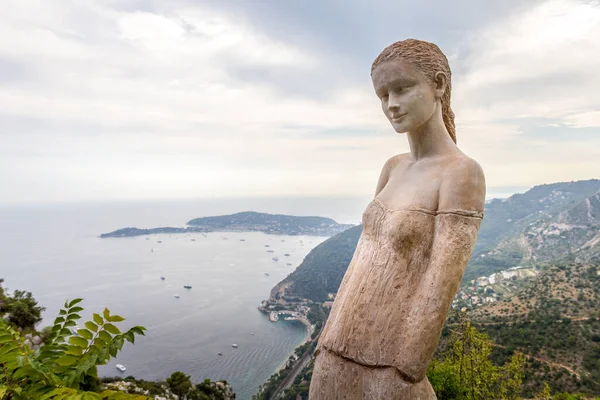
(400, 127)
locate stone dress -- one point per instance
(388, 314)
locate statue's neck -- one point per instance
(431, 139)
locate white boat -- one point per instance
(176, 296)
(121, 367)
(235, 346)
(275, 259)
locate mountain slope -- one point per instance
(570, 234)
(555, 322)
(322, 270)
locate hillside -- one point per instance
(559, 221)
(322, 270)
(555, 321)
(564, 232)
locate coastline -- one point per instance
(309, 331)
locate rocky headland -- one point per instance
(247, 221)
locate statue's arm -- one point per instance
(462, 198)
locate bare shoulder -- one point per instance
(396, 160)
(388, 167)
(463, 185)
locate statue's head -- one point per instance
(412, 79)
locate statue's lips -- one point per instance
(397, 118)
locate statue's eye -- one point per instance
(385, 97)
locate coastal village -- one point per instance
(493, 288)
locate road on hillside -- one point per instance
(298, 366)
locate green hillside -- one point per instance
(555, 321)
(322, 270)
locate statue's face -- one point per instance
(407, 97)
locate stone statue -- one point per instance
(418, 234)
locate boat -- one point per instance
(121, 367)
(159, 241)
(266, 273)
(270, 251)
(187, 287)
(275, 259)
(289, 264)
(242, 240)
(267, 245)
(176, 296)
(235, 346)
(287, 254)
(219, 353)
(162, 278)
(193, 240)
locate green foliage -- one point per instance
(23, 309)
(179, 383)
(207, 390)
(468, 373)
(66, 366)
(545, 394)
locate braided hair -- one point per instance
(429, 59)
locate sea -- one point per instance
(54, 251)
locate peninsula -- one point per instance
(274, 224)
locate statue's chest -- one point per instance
(398, 230)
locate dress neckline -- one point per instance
(465, 213)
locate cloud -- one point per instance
(535, 64)
(147, 99)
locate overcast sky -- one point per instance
(141, 99)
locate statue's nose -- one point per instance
(393, 106)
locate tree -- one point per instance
(67, 364)
(179, 383)
(545, 394)
(467, 372)
(23, 309)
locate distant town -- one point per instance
(493, 288)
